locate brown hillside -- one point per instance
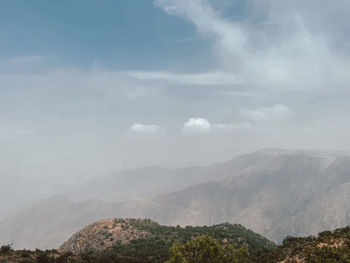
(102, 235)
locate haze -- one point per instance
(92, 87)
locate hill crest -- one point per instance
(109, 233)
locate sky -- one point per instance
(89, 87)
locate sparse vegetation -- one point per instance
(5, 250)
(222, 243)
(332, 247)
(207, 250)
(135, 232)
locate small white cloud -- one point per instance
(276, 112)
(196, 125)
(201, 125)
(231, 127)
(142, 128)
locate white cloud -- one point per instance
(227, 35)
(196, 125)
(142, 128)
(277, 112)
(193, 126)
(201, 125)
(282, 51)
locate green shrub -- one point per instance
(5, 250)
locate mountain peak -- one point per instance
(56, 201)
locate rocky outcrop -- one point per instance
(104, 234)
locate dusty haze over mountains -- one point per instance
(274, 192)
(89, 89)
(136, 108)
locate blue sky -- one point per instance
(129, 34)
(92, 86)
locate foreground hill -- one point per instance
(135, 240)
(143, 241)
(275, 193)
(109, 233)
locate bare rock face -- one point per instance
(105, 234)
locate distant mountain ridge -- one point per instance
(274, 192)
(284, 193)
(144, 182)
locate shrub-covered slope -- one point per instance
(149, 242)
(332, 247)
(110, 233)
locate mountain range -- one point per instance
(274, 192)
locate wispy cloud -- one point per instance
(25, 59)
(208, 22)
(277, 112)
(279, 53)
(211, 78)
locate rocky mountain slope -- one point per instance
(144, 241)
(328, 246)
(109, 233)
(273, 192)
(287, 193)
(105, 234)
